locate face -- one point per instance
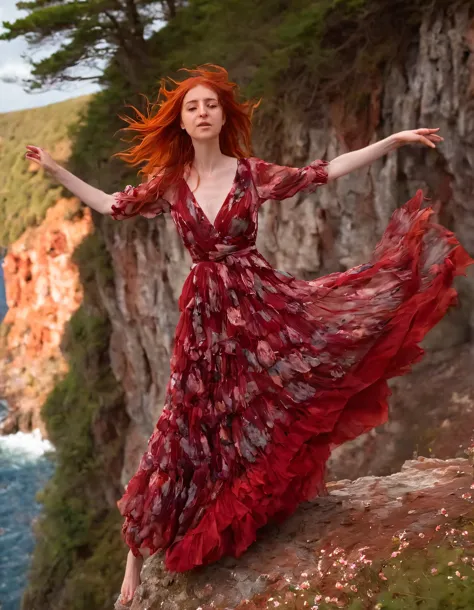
(201, 105)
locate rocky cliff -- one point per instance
(334, 229)
(42, 291)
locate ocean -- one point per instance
(24, 470)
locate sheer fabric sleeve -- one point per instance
(279, 181)
(144, 200)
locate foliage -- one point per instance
(27, 191)
(92, 32)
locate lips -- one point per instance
(204, 125)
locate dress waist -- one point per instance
(216, 256)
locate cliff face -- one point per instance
(42, 291)
(335, 229)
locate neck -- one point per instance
(207, 156)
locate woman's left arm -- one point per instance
(348, 162)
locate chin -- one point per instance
(203, 137)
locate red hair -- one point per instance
(168, 149)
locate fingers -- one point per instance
(428, 137)
(35, 149)
(424, 140)
(425, 130)
(33, 153)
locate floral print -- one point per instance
(269, 372)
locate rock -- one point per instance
(43, 291)
(356, 523)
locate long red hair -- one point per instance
(166, 148)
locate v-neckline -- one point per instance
(229, 194)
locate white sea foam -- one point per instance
(25, 444)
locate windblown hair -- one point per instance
(165, 147)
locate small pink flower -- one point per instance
(382, 576)
(338, 585)
(443, 512)
(353, 588)
(318, 598)
(450, 563)
(276, 604)
(421, 535)
(458, 573)
(437, 528)
(434, 570)
(395, 554)
(304, 585)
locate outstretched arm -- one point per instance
(145, 199)
(88, 194)
(348, 162)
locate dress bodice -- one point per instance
(234, 231)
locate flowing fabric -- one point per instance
(269, 372)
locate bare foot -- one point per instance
(131, 579)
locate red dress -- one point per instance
(269, 372)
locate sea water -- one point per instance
(24, 469)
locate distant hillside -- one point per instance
(25, 192)
(3, 303)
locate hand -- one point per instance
(40, 156)
(424, 136)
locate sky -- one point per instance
(13, 96)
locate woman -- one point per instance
(268, 373)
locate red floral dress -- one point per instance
(269, 372)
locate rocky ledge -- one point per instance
(326, 551)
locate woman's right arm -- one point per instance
(91, 196)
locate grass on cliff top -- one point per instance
(25, 195)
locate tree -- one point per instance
(92, 33)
